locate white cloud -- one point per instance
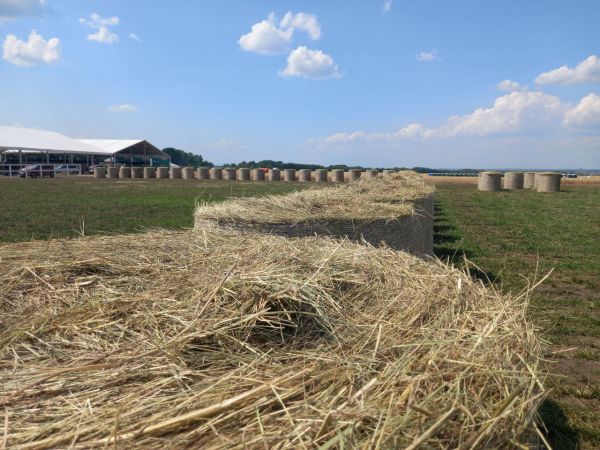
(270, 37)
(426, 56)
(587, 71)
(586, 113)
(101, 24)
(387, 5)
(35, 50)
(10, 9)
(135, 37)
(123, 107)
(314, 64)
(510, 86)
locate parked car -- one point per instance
(37, 170)
(68, 169)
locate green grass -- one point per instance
(65, 207)
(516, 237)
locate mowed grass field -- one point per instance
(515, 238)
(67, 207)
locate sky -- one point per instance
(377, 83)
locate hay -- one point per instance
(201, 340)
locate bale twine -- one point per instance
(290, 175)
(547, 181)
(112, 172)
(354, 175)
(304, 175)
(244, 174)
(320, 176)
(187, 173)
(124, 172)
(149, 172)
(99, 172)
(230, 173)
(258, 175)
(371, 173)
(529, 180)
(513, 180)
(337, 176)
(162, 172)
(489, 181)
(203, 173)
(274, 174)
(175, 172)
(216, 173)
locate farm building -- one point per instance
(20, 146)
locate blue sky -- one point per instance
(371, 82)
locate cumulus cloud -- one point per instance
(387, 5)
(510, 86)
(313, 64)
(586, 113)
(135, 37)
(10, 9)
(123, 107)
(101, 24)
(272, 37)
(587, 71)
(35, 50)
(426, 56)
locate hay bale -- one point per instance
(354, 175)
(337, 176)
(137, 172)
(162, 172)
(290, 175)
(216, 173)
(203, 173)
(547, 181)
(371, 173)
(124, 172)
(320, 176)
(304, 175)
(274, 174)
(490, 181)
(258, 175)
(230, 173)
(149, 172)
(528, 180)
(175, 172)
(99, 172)
(187, 173)
(210, 340)
(388, 172)
(112, 172)
(244, 174)
(514, 180)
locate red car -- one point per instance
(37, 170)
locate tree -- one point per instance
(183, 158)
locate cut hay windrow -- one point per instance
(215, 341)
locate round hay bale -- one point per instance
(489, 181)
(124, 172)
(547, 181)
(388, 172)
(187, 173)
(528, 180)
(354, 174)
(203, 173)
(216, 173)
(320, 176)
(337, 176)
(371, 173)
(513, 180)
(275, 174)
(230, 174)
(258, 175)
(99, 172)
(162, 172)
(137, 172)
(244, 174)
(304, 175)
(290, 175)
(112, 172)
(149, 172)
(175, 172)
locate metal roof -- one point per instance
(16, 138)
(111, 146)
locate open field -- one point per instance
(66, 207)
(515, 236)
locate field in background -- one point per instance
(67, 207)
(516, 236)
